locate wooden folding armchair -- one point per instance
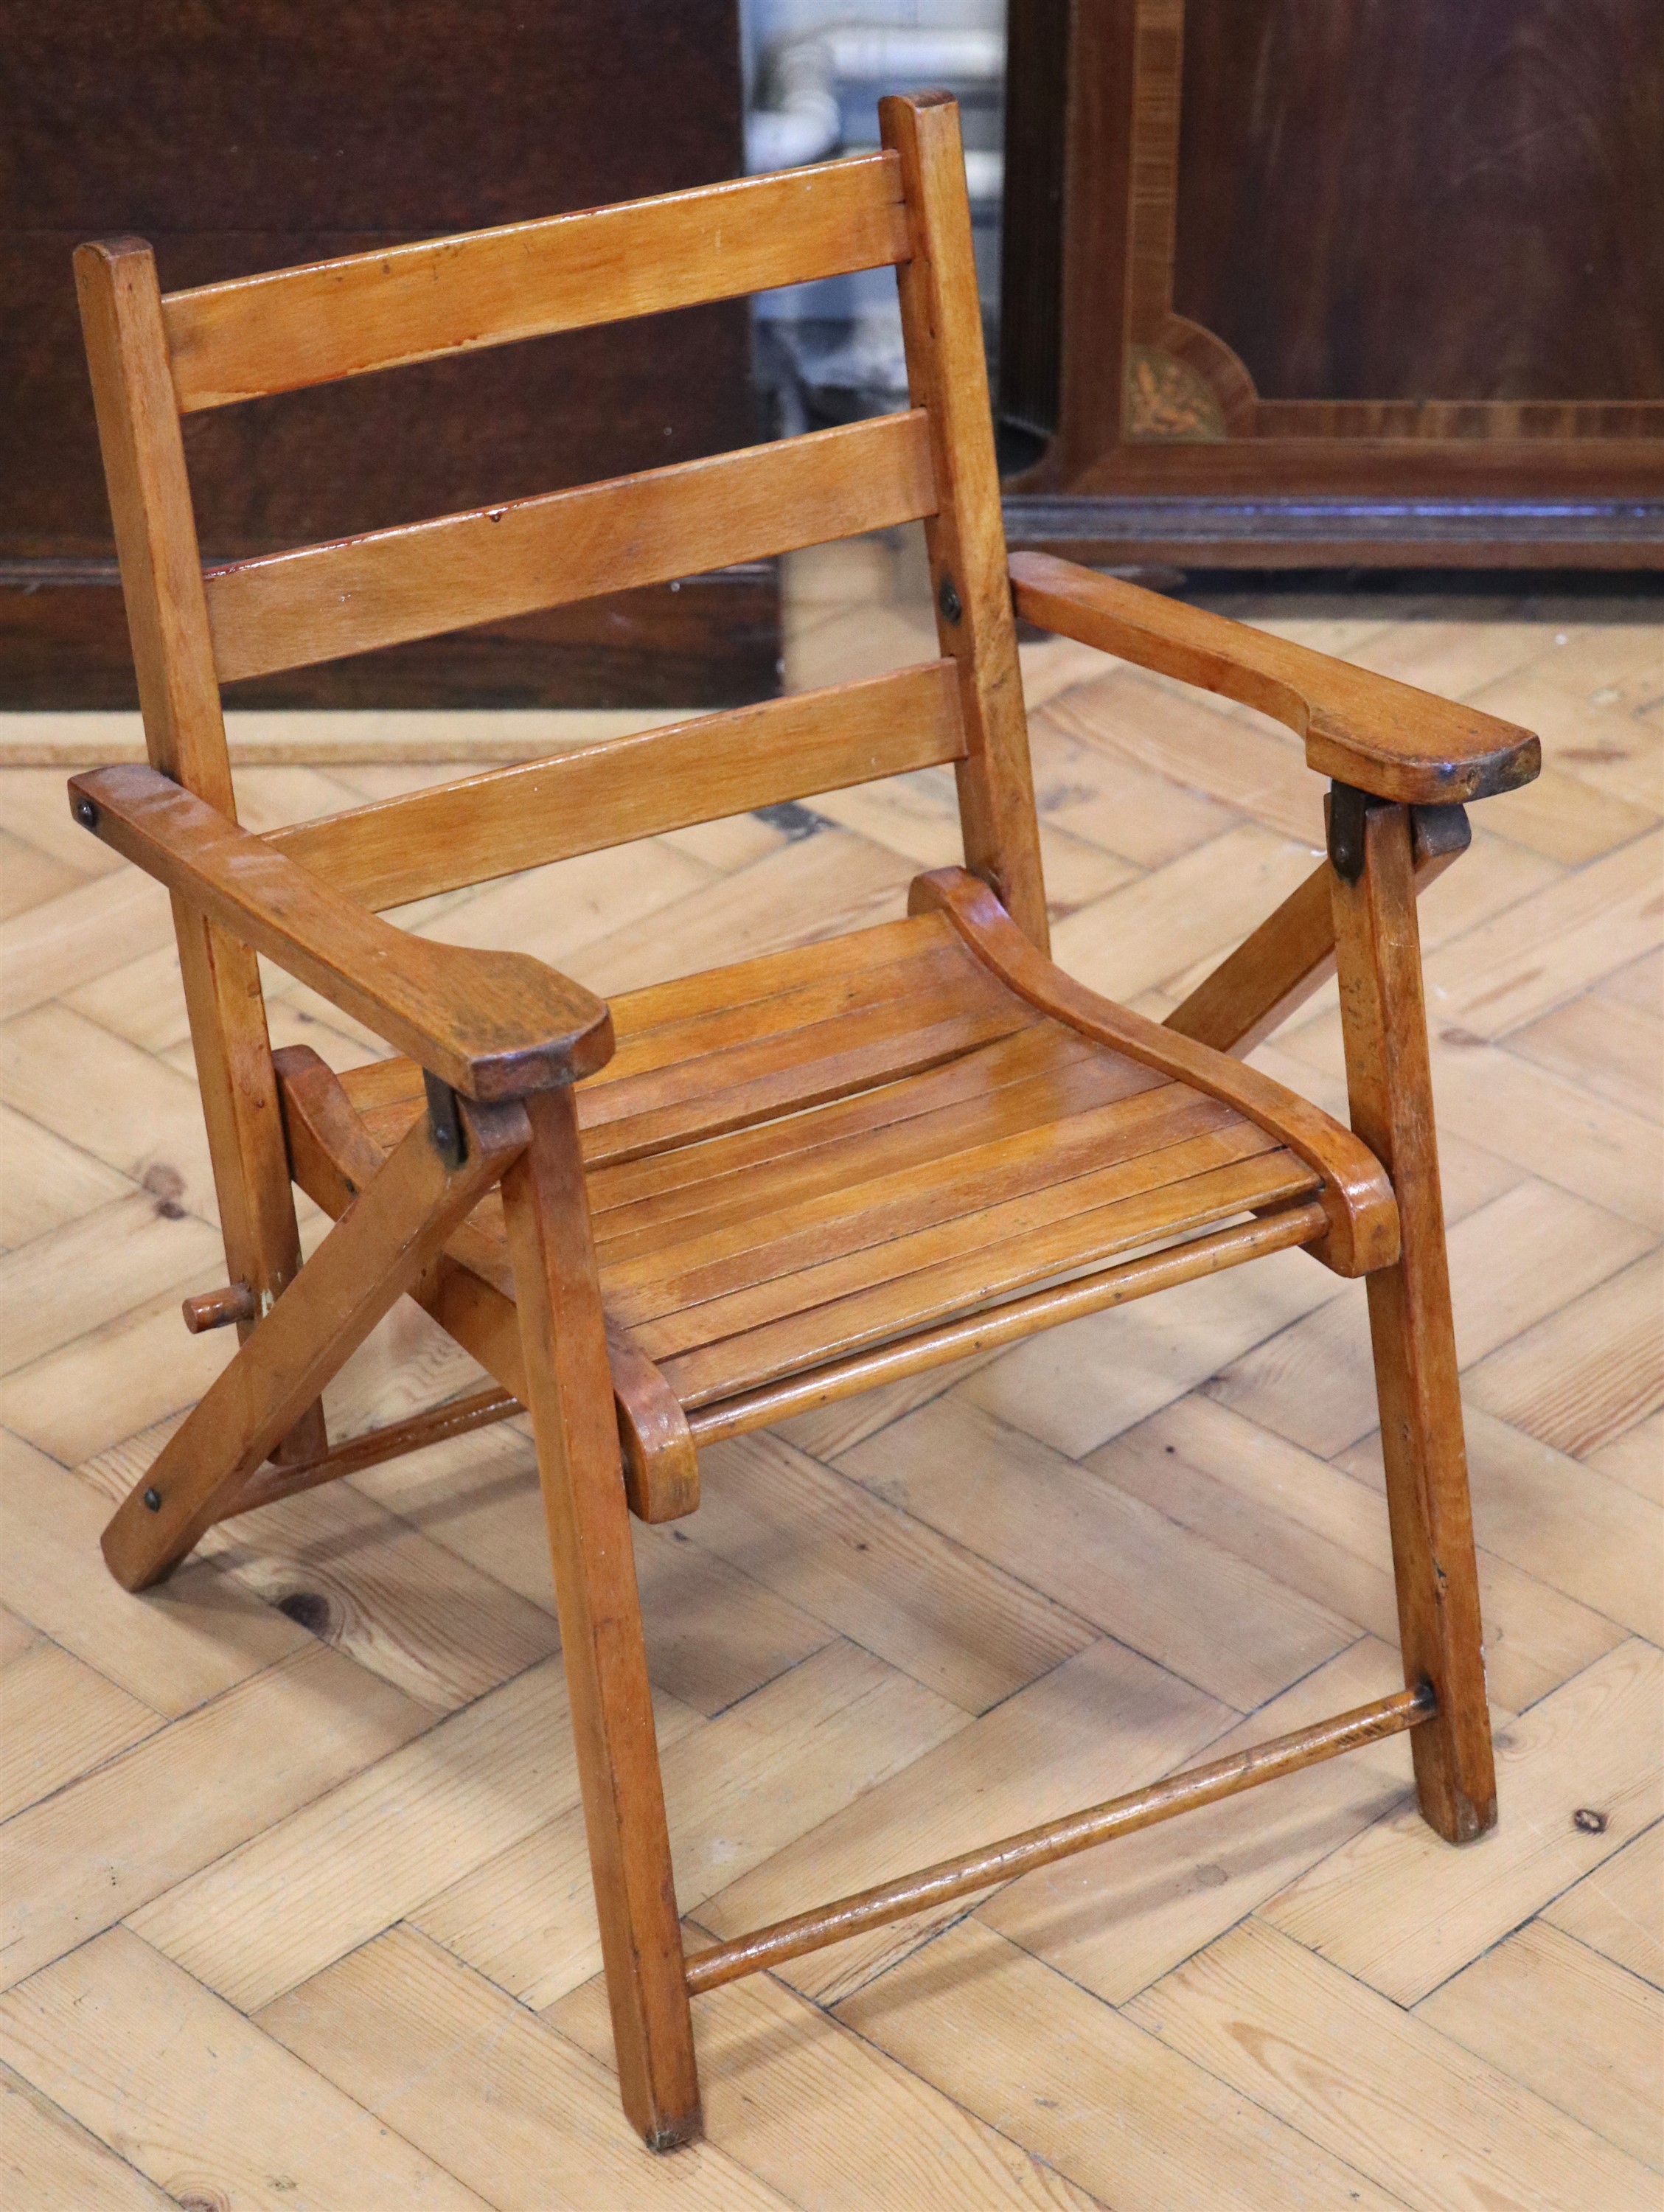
(732, 1197)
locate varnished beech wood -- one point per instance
(287, 610)
(1291, 954)
(1359, 728)
(232, 1301)
(942, 324)
(491, 1025)
(1389, 1084)
(121, 315)
(371, 311)
(399, 1222)
(1007, 1323)
(422, 842)
(185, 736)
(1055, 1839)
(478, 1409)
(870, 1311)
(814, 1170)
(547, 1210)
(1362, 1219)
(468, 1291)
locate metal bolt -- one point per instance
(948, 599)
(445, 1122)
(86, 813)
(153, 1501)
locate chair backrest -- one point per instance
(155, 357)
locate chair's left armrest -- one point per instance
(491, 1025)
(1381, 736)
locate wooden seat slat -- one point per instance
(825, 1162)
(678, 1054)
(973, 1228)
(957, 1185)
(683, 1176)
(962, 1282)
(354, 595)
(917, 1000)
(889, 1053)
(770, 974)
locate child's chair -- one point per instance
(729, 1198)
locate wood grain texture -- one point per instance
(1390, 1088)
(409, 847)
(1319, 2050)
(383, 310)
(400, 1223)
(1509, 2005)
(1361, 729)
(223, 2106)
(942, 326)
(570, 1395)
(1254, 989)
(1407, 310)
(185, 738)
(492, 1024)
(1364, 1226)
(272, 1823)
(1056, 1840)
(387, 586)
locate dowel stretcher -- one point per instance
(453, 1419)
(1056, 1840)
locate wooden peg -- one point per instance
(232, 1301)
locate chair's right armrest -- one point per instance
(491, 1025)
(1368, 730)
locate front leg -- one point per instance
(569, 1387)
(1389, 1082)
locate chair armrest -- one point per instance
(1362, 729)
(491, 1025)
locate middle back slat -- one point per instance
(319, 602)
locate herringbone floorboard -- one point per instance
(296, 1908)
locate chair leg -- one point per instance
(1389, 1082)
(373, 1255)
(569, 1389)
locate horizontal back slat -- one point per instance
(333, 318)
(424, 842)
(321, 601)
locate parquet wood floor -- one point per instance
(295, 1907)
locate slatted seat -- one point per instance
(824, 1149)
(732, 1196)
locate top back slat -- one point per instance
(370, 311)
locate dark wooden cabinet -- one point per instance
(1343, 281)
(243, 135)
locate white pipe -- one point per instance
(802, 120)
(870, 52)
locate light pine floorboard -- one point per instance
(296, 1899)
